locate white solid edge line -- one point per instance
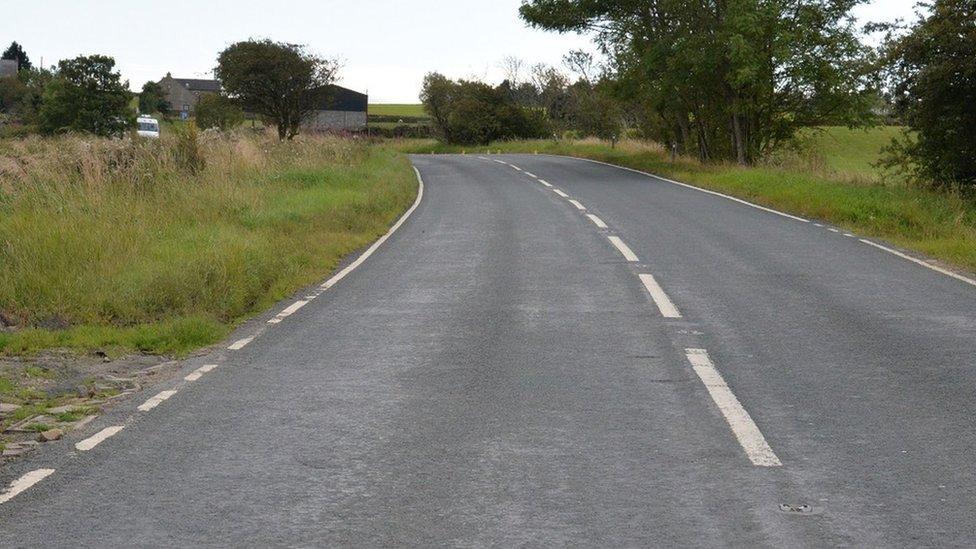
(98, 438)
(240, 343)
(597, 221)
(516, 167)
(624, 249)
(560, 193)
(155, 401)
(661, 299)
(24, 482)
(499, 161)
(546, 183)
(686, 185)
(198, 373)
(532, 175)
(579, 206)
(743, 427)
(917, 261)
(292, 309)
(372, 249)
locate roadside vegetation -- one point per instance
(163, 246)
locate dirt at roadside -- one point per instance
(45, 396)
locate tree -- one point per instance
(86, 94)
(729, 78)
(13, 93)
(218, 111)
(282, 82)
(933, 69)
(16, 53)
(152, 99)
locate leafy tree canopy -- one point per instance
(86, 94)
(152, 99)
(16, 53)
(282, 82)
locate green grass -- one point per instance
(405, 110)
(129, 251)
(939, 224)
(850, 151)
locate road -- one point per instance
(502, 371)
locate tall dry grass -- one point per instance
(102, 240)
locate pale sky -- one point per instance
(386, 46)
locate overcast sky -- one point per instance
(386, 46)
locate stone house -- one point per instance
(8, 67)
(182, 94)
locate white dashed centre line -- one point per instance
(579, 206)
(560, 193)
(546, 183)
(198, 373)
(292, 309)
(597, 221)
(624, 249)
(748, 434)
(240, 344)
(98, 438)
(155, 401)
(25, 482)
(532, 175)
(500, 161)
(661, 299)
(516, 167)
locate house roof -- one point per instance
(195, 84)
(344, 99)
(8, 67)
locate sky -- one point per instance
(385, 46)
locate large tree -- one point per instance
(727, 78)
(934, 84)
(16, 53)
(282, 82)
(86, 94)
(152, 99)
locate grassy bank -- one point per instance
(164, 247)
(842, 188)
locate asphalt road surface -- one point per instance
(553, 352)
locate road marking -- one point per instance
(748, 434)
(516, 167)
(292, 309)
(198, 373)
(546, 183)
(833, 230)
(532, 175)
(935, 268)
(579, 206)
(499, 161)
(24, 482)
(560, 193)
(660, 298)
(818, 225)
(624, 249)
(98, 438)
(240, 344)
(372, 249)
(597, 221)
(706, 191)
(155, 401)
(849, 235)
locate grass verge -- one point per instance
(163, 247)
(939, 224)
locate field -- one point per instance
(838, 186)
(406, 111)
(163, 247)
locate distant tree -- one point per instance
(934, 77)
(152, 99)
(282, 82)
(86, 94)
(13, 94)
(16, 53)
(218, 111)
(437, 96)
(596, 112)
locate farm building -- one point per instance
(343, 110)
(8, 67)
(182, 94)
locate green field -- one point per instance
(163, 247)
(847, 191)
(405, 110)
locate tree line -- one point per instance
(281, 83)
(734, 80)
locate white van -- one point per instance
(147, 127)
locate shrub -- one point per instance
(218, 111)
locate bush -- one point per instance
(218, 111)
